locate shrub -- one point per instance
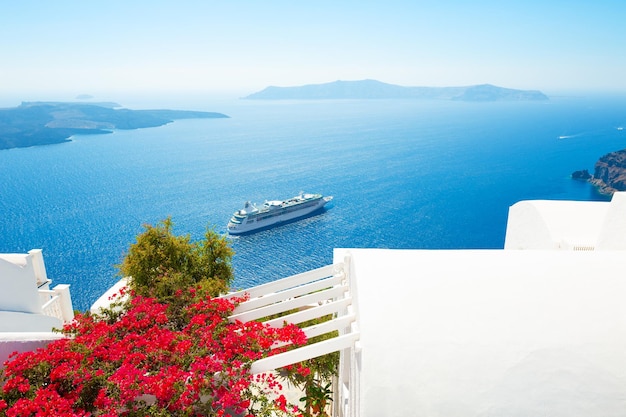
(139, 365)
(160, 263)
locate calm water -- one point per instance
(404, 174)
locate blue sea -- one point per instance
(403, 173)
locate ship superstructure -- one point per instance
(252, 218)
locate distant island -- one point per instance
(45, 123)
(372, 89)
(609, 173)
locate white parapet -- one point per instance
(67, 310)
(612, 235)
(108, 297)
(567, 225)
(39, 267)
(24, 342)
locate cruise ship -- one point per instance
(272, 213)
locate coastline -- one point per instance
(48, 123)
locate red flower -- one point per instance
(141, 361)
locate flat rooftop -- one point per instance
(491, 332)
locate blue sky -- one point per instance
(73, 47)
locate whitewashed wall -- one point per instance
(567, 225)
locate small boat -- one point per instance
(272, 213)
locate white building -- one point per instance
(476, 332)
(29, 309)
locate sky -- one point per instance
(239, 47)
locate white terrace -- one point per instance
(472, 332)
(29, 309)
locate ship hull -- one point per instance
(279, 217)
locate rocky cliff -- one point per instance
(610, 172)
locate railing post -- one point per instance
(351, 363)
(63, 291)
(39, 267)
(355, 380)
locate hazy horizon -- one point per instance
(232, 49)
(216, 100)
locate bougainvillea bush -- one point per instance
(137, 364)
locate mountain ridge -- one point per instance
(373, 89)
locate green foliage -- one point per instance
(316, 382)
(323, 367)
(162, 264)
(317, 398)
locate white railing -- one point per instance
(314, 294)
(51, 305)
(585, 248)
(347, 396)
(57, 303)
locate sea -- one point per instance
(404, 174)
